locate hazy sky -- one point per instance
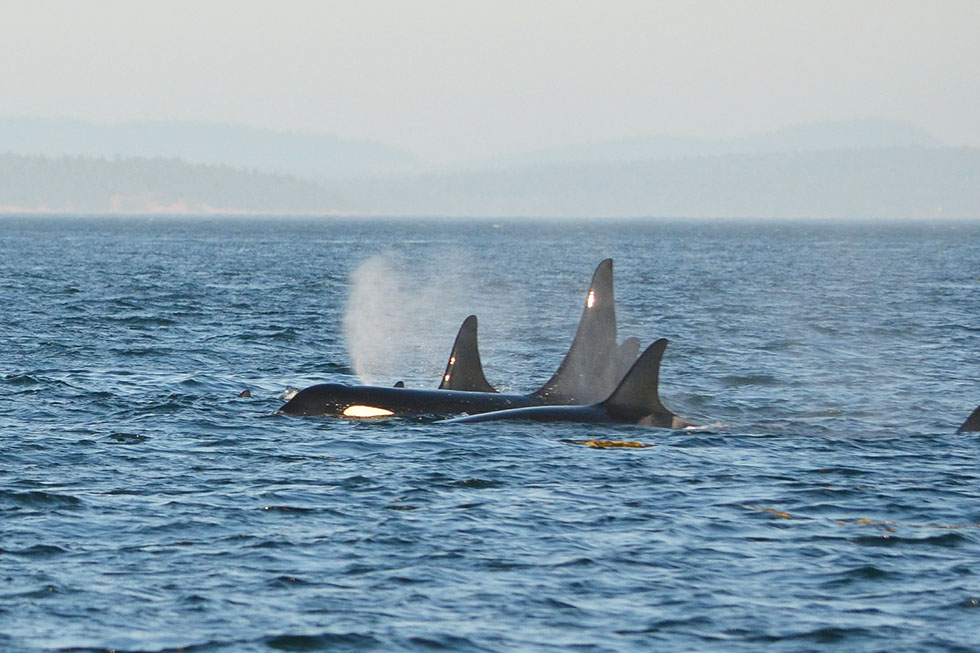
(458, 78)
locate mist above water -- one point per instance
(402, 315)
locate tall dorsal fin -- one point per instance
(637, 395)
(464, 371)
(587, 373)
(972, 422)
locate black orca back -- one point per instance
(972, 422)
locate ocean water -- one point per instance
(827, 503)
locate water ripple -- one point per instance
(828, 502)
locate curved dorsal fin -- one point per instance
(587, 373)
(972, 422)
(464, 371)
(637, 395)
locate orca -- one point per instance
(592, 365)
(972, 423)
(636, 400)
(340, 400)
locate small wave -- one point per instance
(275, 333)
(192, 382)
(41, 593)
(887, 539)
(287, 581)
(574, 562)
(38, 498)
(734, 381)
(825, 329)
(476, 484)
(127, 438)
(328, 641)
(289, 509)
(139, 351)
(54, 344)
(843, 471)
(445, 643)
(21, 379)
(705, 428)
(858, 574)
(195, 599)
(143, 321)
(825, 635)
(37, 551)
(958, 327)
(667, 624)
(696, 438)
(173, 404)
(355, 481)
(781, 345)
(505, 565)
(866, 572)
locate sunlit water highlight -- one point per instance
(145, 506)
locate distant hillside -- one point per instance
(320, 157)
(137, 185)
(812, 137)
(904, 182)
(877, 183)
(302, 154)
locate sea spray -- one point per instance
(403, 313)
(401, 316)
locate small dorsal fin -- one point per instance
(464, 371)
(587, 373)
(972, 422)
(638, 393)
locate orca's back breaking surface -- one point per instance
(972, 422)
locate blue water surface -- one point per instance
(827, 502)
